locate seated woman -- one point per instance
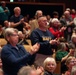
(55, 29)
(62, 54)
(49, 66)
(70, 62)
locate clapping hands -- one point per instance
(34, 48)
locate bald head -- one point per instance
(42, 21)
(66, 12)
(42, 18)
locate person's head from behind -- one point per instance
(11, 35)
(17, 11)
(42, 21)
(38, 13)
(3, 3)
(70, 62)
(63, 46)
(27, 70)
(49, 64)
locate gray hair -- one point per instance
(9, 31)
(73, 36)
(38, 12)
(26, 70)
(16, 8)
(62, 46)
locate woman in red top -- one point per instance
(55, 29)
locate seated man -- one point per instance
(42, 36)
(13, 55)
(22, 39)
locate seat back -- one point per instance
(3, 42)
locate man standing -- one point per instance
(4, 13)
(42, 36)
(13, 55)
(17, 19)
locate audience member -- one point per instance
(49, 19)
(27, 70)
(55, 14)
(73, 13)
(13, 55)
(55, 28)
(30, 70)
(73, 71)
(68, 9)
(34, 23)
(68, 22)
(6, 25)
(49, 66)
(70, 62)
(62, 54)
(74, 31)
(72, 44)
(22, 39)
(4, 13)
(26, 30)
(17, 19)
(42, 36)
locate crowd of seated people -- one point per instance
(52, 38)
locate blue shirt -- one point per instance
(13, 58)
(43, 38)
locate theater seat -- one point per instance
(27, 47)
(29, 41)
(3, 42)
(58, 68)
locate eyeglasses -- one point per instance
(72, 61)
(14, 35)
(44, 20)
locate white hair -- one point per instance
(54, 19)
(38, 12)
(47, 60)
(9, 31)
(73, 36)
